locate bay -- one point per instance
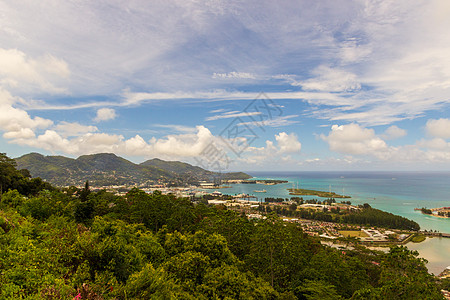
(395, 192)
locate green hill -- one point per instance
(109, 169)
(186, 169)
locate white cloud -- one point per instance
(135, 99)
(435, 144)
(67, 129)
(330, 80)
(288, 143)
(171, 146)
(271, 152)
(19, 72)
(105, 114)
(183, 145)
(50, 141)
(215, 111)
(352, 51)
(177, 128)
(232, 114)
(393, 132)
(355, 140)
(397, 49)
(438, 128)
(234, 75)
(17, 122)
(22, 133)
(275, 122)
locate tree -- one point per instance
(405, 276)
(278, 252)
(227, 282)
(151, 283)
(315, 290)
(8, 172)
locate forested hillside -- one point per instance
(74, 243)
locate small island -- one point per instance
(305, 192)
(443, 212)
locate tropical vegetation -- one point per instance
(74, 243)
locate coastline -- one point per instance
(410, 190)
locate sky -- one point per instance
(229, 85)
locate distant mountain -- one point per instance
(109, 169)
(185, 169)
(173, 166)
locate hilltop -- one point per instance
(109, 169)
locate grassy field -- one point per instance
(353, 233)
(418, 238)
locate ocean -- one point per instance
(395, 192)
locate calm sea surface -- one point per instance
(395, 192)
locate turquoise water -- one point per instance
(395, 192)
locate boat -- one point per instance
(260, 191)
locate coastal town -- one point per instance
(331, 231)
(257, 208)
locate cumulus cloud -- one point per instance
(288, 143)
(438, 128)
(174, 146)
(105, 114)
(17, 123)
(22, 133)
(435, 144)
(354, 139)
(67, 129)
(285, 144)
(393, 132)
(184, 144)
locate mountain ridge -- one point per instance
(102, 169)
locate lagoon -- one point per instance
(436, 251)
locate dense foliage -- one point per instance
(376, 217)
(62, 244)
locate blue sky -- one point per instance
(301, 85)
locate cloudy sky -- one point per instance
(236, 85)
